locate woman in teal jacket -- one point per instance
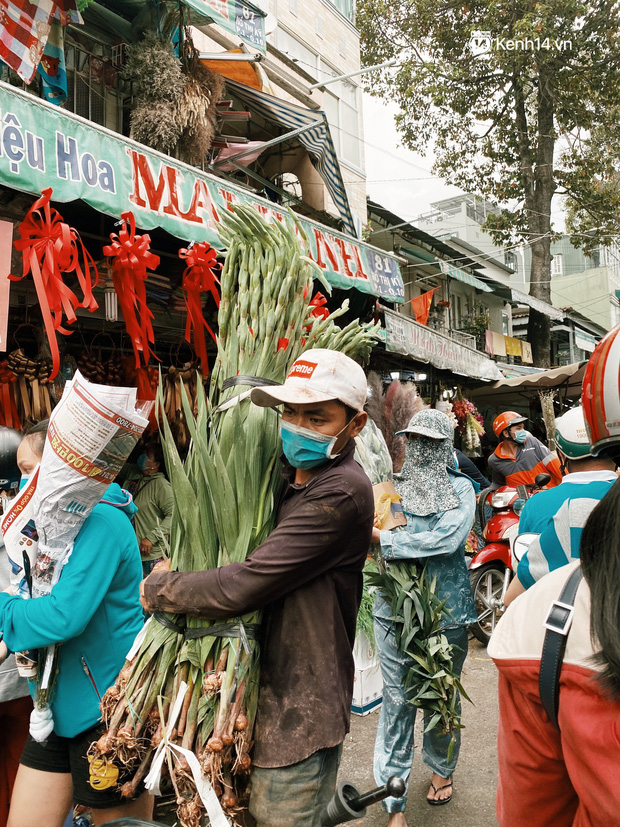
(94, 612)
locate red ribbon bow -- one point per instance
(318, 302)
(199, 277)
(131, 257)
(50, 248)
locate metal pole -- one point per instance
(266, 145)
(354, 74)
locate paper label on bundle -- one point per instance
(388, 510)
(215, 813)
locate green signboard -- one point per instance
(42, 146)
(240, 18)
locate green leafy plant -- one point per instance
(417, 617)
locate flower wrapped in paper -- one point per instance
(90, 435)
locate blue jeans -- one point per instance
(296, 795)
(394, 745)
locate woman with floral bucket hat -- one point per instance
(439, 504)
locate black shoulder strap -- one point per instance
(558, 623)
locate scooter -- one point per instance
(490, 569)
(347, 804)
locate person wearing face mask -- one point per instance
(15, 702)
(519, 456)
(94, 613)
(152, 496)
(558, 515)
(307, 577)
(439, 504)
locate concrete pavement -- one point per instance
(473, 803)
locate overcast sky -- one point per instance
(398, 179)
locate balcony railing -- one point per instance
(467, 339)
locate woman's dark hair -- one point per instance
(36, 434)
(600, 561)
(155, 450)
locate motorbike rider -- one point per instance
(561, 776)
(519, 457)
(560, 513)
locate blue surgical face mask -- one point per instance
(520, 436)
(142, 461)
(23, 481)
(304, 448)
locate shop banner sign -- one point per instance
(235, 16)
(584, 341)
(41, 146)
(526, 353)
(6, 248)
(405, 336)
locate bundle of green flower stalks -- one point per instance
(226, 493)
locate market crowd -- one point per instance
(557, 647)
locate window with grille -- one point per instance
(95, 89)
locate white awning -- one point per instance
(537, 304)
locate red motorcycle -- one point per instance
(490, 568)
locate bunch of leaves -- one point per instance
(365, 618)
(417, 617)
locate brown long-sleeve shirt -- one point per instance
(307, 576)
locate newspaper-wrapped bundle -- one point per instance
(91, 433)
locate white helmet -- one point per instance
(571, 435)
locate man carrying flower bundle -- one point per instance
(307, 576)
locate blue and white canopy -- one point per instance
(316, 139)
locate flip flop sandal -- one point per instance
(437, 802)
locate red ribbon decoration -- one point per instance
(199, 277)
(8, 409)
(131, 258)
(50, 248)
(317, 304)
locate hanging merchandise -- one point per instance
(33, 380)
(50, 248)
(470, 424)
(130, 258)
(103, 371)
(199, 277)
(8, 410)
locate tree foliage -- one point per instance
(531, 117)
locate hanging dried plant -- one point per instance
(391, 412)
(155, 124)
(154, 70)
(196, 108)
(548, 413)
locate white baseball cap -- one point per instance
(318, 375)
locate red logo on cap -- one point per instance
(303, 370)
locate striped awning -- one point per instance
(456, 273)
(317, 140)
